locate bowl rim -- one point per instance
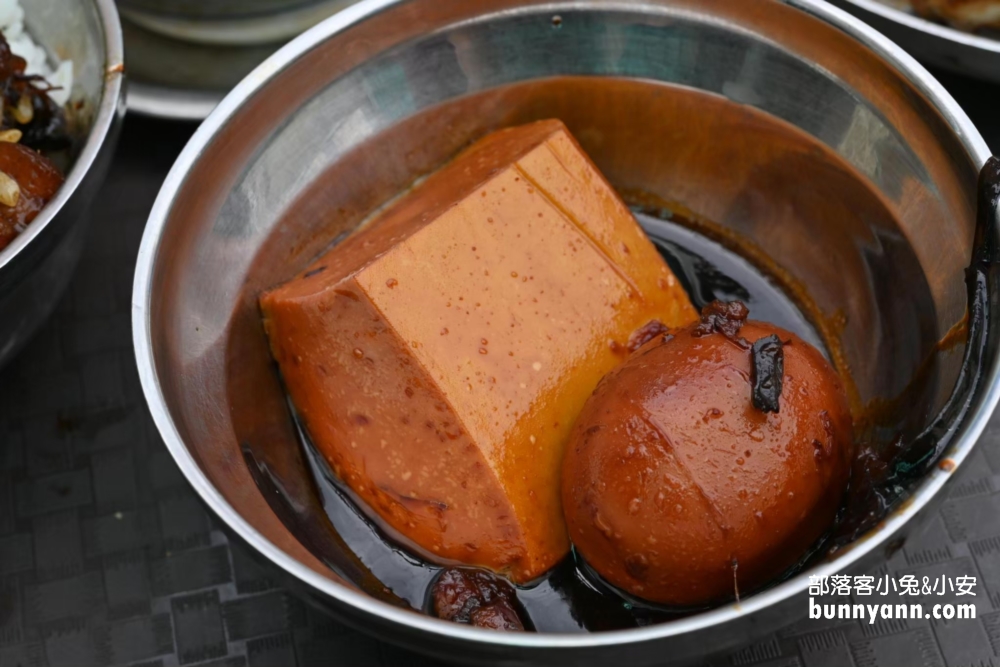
(968, 433)
(107, 110)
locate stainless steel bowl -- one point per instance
(36, 267)
(231, 22)
(939, 45)
(352, 111)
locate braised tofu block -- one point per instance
(439, 356)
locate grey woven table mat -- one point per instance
(107, 557)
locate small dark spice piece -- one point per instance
(726, 318)
(646, 333)
(496, 616)
(476, 598)
(767, 370)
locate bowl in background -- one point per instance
(937, 44)
(182, 80)
(230, 22)
(665, 96)
(185, 55)
(36, 267)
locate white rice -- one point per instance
(12, 26)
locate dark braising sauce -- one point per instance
(883, 471)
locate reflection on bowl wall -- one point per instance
(36, 267)
(869, 207)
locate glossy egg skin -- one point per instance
(678, 491)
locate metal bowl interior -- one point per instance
(36, 264)
(350, 113)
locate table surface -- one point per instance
(108, 558)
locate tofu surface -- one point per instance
(439, 356)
